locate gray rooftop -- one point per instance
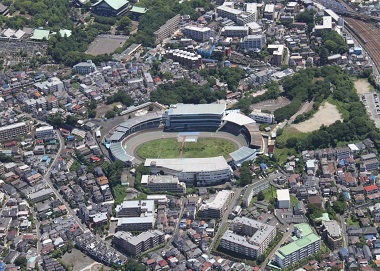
(196, 109)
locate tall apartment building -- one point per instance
(44, 132)
(253, 42)
(52, 102)
(240, 17)
(278, 52)
(14, 130)
(199, 34)
(168, 29)
(135, 208)
(332, 233)
(259, 116)
(85, 67)
(215, 207)
(187, 59)
(135, 223)
(248, 237)
(49, 86)
(235, 31)
(163, 183)
(305, 243)
(135, 245)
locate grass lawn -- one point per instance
(119, 193)
(293, 200)
(171, 148)
(270, 194)
(282, 153)
(351, 222)
(340, 106)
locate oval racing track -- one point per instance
(132, 142)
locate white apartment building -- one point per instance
(259, 116)
(253, 42)
(248, 237)
(135, 223)
(163, 183)
(240, 17)
(305, 243)
(14, 130)
(197, 33)
(44, 132)
(49, 86)
(235, 31)
(215, 207)
(135, 208)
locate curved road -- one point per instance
(132, 142)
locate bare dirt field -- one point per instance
(77, 259)
(326, 115)
(271, 105)
(106, 44)
(362, 86)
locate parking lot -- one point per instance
(371, 102)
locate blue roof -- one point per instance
(343, 252)
(371, 177)
(376, 244)
(368, 236)
(347, 195)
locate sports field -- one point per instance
(171, 148)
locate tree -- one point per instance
(260, 196)
(110, 114)
(134, 265)
(124, 24)
(261, 259)
(92, 113)
(21, 262)
(245, 174)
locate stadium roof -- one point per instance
(115, 4)
(40, 34)
(119, 153)
(243, 154)
(196, 109)
(238, 119)
(190, 164)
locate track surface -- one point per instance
(132, 142)
(369, 37)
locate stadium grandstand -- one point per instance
(119, 153)
(237, 123)
(194, 117)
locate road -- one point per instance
(50, 184)
(343, 223)
(224, 220)
(284, 238)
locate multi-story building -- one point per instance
(30, 104)
(235, 31)
(259, 116)
(41, 195)
(187, 59)
(14, 130)
(369, 162)
(215, 207)
(166, 30)
(193, 171)
(53, 84)
(305, 243)
(240, 17)
(194, 117)
(135, 223)
(248, 237)
(332, 233)
(85, 67)
(283, 198)
(269, 11)
(52, 102)
(135, 208)
(253, 189)
(45, 132)
(135, 245)
(199, 34)
(41, 102)
(278, 52)
(163, 183)
(253, 42)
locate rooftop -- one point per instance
(115, 4)
(190, 164)
(40, 34)
(283, 194)
(196, 109)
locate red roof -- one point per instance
(372, 187)
(162, 263)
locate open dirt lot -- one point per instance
(362, 86)
(326, 115)
(77, 259)
(106, 44)
(271, 105)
